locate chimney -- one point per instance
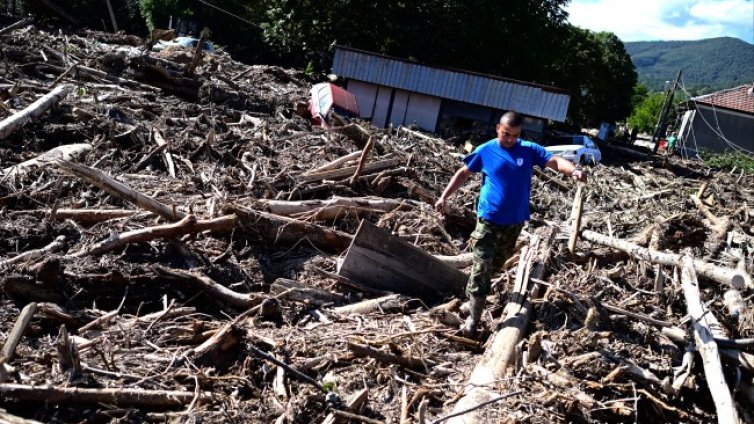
(750, 91)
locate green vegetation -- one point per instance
(645, 114)
(708, 65)
(728, 160)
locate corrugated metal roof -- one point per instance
(487, 90)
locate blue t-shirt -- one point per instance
(506, 179)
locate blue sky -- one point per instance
(647, 20)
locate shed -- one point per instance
(392, 91)
(720, 121)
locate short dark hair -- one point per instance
(512, 118)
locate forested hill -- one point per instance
(708, 65)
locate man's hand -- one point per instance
(579, 175)
(440, 205)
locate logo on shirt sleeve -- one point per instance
(520, 161)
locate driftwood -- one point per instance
(727, 276)
(15, 25)
(279, 229)
(214, 289)
(7, 418)
(119, 396)
(510, 330)
(116, 188)
(387, 304)
(335, 174)
(188, 225)
(11, 342)
(706, 345)
(578, 205)
(66, 152)
(335, 163)
(33, 111)
(330, 209)
(32, 255)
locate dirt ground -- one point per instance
(217, 308)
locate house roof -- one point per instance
(481, 89)
(738, 98)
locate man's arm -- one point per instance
(459, 178)
(566, 167)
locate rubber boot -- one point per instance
(476, 307)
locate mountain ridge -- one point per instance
(708, 65)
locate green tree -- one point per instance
(645, 115)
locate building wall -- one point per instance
(385, 106)
(737, 128)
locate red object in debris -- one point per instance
(326, 97)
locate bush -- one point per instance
(728, 160)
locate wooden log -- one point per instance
(508, 332)
(362, 161)
(334, 164)
(67, 152)
(116, 396)
(32, 255)
(383, 261)
(188, 225)
(116, 188)
(347, 171)
(457, 261)
(727, 276)
(578, 206)
(15, 25)
(330, 209)
(279, 229)
(33, 111)
(14, 338)
(69, 361)
(213, 288)
(705, 344)
(167, 155)
(387, 304)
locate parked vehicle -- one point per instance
(185, 42)
(579, 149)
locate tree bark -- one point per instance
(728, 276)
(33, 111)
(705, 344)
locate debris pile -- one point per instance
(171, 234)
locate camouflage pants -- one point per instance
(493, 245)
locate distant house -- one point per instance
(400, 92)
(720, 121)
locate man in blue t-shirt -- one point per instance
(506, 164)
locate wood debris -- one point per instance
(177, 256)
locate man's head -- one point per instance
(509, 129)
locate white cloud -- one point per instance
(739, 12)
(667, 20)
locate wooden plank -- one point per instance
(383, 261)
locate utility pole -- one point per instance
(661, 124)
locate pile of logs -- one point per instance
(172, 237)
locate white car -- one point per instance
(184, 42)
(579, 149)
